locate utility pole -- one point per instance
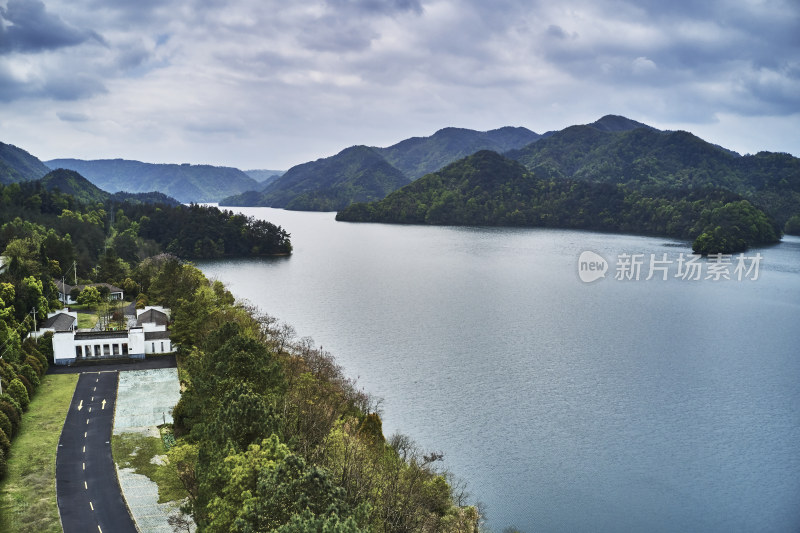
(33, 312)
(75, 271)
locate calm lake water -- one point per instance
(617, 405)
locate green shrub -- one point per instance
(5, 397)
(5, 425)
(5, 444)
(3, 465)
(28, 387)
(18, 391)
(29, 373)
(35, 363)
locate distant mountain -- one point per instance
(356, 174)
(263, 176)
(418, 156)
(18, 165)
(83, 190)
(487, 189)
(648, 159)
(187, 183)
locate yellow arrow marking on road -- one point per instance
(80, 405)
(104, 404)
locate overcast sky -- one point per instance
(263, 84)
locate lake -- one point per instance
(616, 405)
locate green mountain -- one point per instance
(72, 183)
(649, 159)
(489, 189)
(356, 174)
(18, 165)
(418, 156)
(362, 173)
(187, 183)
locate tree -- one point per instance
(89, 296)
(792, 226)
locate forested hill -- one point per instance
(114, 236)
(84, 191)
(356, 174)
(648, 159)
(187, 183)
(18, 165)
(489, 189)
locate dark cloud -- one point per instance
(72, 87)
(27, 26)
(69, 116)
(383, 7)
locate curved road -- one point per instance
(89, 497)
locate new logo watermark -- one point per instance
(688, 267)
(591, 266)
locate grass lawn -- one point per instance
(87, 320)
(134, 450)
(28, 494)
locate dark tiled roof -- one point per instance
(96, 335)
(152, 315)
(59, 322)
(66, 287)
(156, 335)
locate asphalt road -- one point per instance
(89, 497)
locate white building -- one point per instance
(149, 336)
(63, 320)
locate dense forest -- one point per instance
(489, 189)
(45, 233)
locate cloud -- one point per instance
(270, 82)
(26, 26)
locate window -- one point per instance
(78, 352)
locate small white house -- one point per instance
(64, 290)
(147, 337)
(4, 261)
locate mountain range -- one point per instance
(362, 173)
(187, 183)
(72, 183)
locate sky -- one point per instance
(270, 84)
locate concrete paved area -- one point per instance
(145, 399)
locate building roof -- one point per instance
(152, 315)
(156, 335)
(59, 322)
(67, 288)
(97, 335)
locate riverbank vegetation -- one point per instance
(271, 436)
